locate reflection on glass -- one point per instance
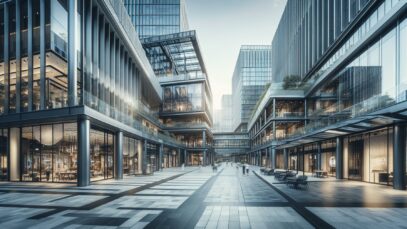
(183, 98)
(130, 156)
(49, 153)
(101, 155)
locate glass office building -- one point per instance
(79, 100)
(350, 91)
(224, 119)
(251, 75)
(186, 109)
(155, 18)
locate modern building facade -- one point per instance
(79, 100)
(186, 110)
(223, 118)
(159, 17)
(346, 114)
(251, 75)
(231, 146)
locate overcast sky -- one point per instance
(223, 26)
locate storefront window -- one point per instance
(370, 157)
(130, 156)
(101, 155)
(50, 153)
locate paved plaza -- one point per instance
(200, 198)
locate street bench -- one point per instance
(296, 182)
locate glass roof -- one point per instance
(174, 54)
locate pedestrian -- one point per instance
(247, 170)
(244, 169)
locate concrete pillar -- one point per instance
(339, 158)
(273, 159)
(14, 155)
(185, 157)
(161, 157)
(204, 158)
(319, 156)
(285, 159)
(399, 156)
(83, 152)
(118, 156)
(144, 158)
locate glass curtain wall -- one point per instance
(130, 156)
(183, 98)
(152, 157)
(24, 73)
(328, 157)
(49, 153)
(171, 158)
(369, 82)
(101, 154)
(370, 156)
(292, 159)
(310, 158)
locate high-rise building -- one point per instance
(338, 102)
(251, 75)
(176, 59)
(79, 100)
(226, 114)
(155, 18)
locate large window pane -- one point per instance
(389, 68)
(403, 61)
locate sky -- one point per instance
(223, 26)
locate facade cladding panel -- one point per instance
(307, 30)
(158, 17)
(251, 75)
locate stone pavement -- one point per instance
(200, 198)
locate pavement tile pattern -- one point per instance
(200, 198)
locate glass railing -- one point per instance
(126, 118)
(181, 77)
(187, 125)
(287, 114)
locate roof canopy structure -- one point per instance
(174, 54)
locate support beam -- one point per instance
(83, 152)
(339, 158)
(30, 60)
(72, 57)
(399, 156)
(185, 157)
(42, 56)
(319, 156)
(118, 157)
(144, 158)
(161, 157)
(204, 158)
(285, 159)
(273, 159)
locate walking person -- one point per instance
(247, 169)
(244, 169)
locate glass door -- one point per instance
(356, 148)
